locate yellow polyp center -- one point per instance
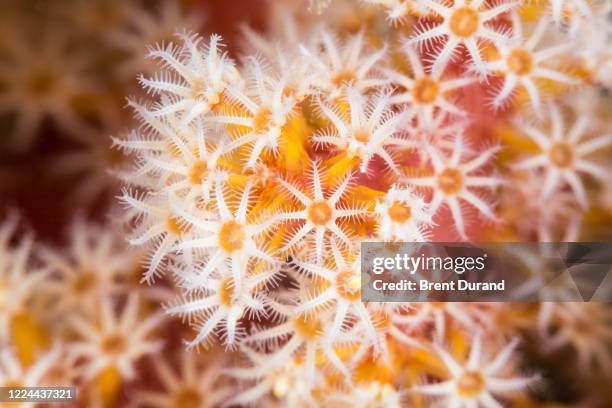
(344, 77)
(173, 226)
(363, 137)
(464, 22)
(319, 213)
(470, 384)
(198, 172)
(399, 212)
(308, 329)
(114, 344)
(262, 174)
(281, 386)
(520, 62)
(188, 398)
(262, 120)
(85, 282)
(289, 91)
(450, 181)
(231, 236)
(226, 292)
(425, 90)
(40, 83)
(214, 99)
(561, 155)
(349, 285)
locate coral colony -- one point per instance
(228, 272)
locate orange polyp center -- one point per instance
(262, 120)
(425, 90)
(262, 174)
(319, 213)
(561, 155)
(188, 398)
(399, 212)
(363, 137)
(226, 292)
(450, 181)
(214, 99)
(307, 328)
(470, 384)
(231, 236)
(349, 285)
(520, 62)
(173, 226)
(199, 92)
(289, 91)
(464, 22)
(198, 172)
(344, 77)
(114, 344)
